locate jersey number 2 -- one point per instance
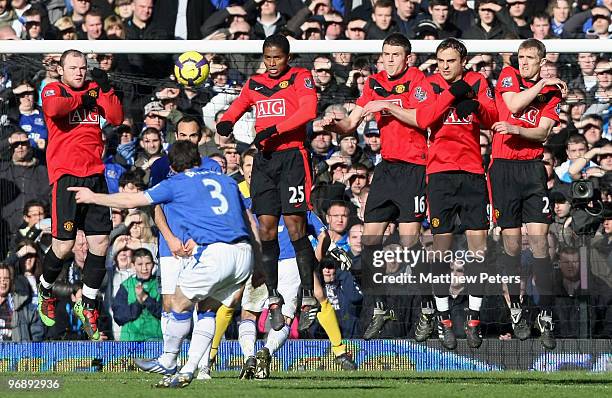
(215, 193)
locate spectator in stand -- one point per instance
(586, 80)
(232, 161)
(337, 219)
(19, 321)
(65, 29)
(269, 20)
(382, 23)
(114, 27)
(32, 28)
(92, 27)
(514, 15)
(140, 235)
(21, 179)
(488, 26)
(602, 92)
(358, 189)
(344, 295)
(354, 239)
(50, 63)
(32, 226)
(355, 28)
(407, 16)
(321, 147)
(561, 226)
(372, 145)
(30, 115)
(590, 24)
(29, 265)
(559, 12)
(576, 147)
(333, 26)
(124, 9)
(461, 15)
(348, 147)
(328, 89)
(120, 270)
(137, 305)
(79, 9)
(439, 11)
(591, 128)
(540, 26)
(183, 19)
(151, 145)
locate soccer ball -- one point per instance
(191, 68)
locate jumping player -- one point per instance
(73, 108)
(285, 100)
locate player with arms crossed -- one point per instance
(212, 213)
(398, 186)
(528, 109)
(285, 100)
(456, 184)
(73, 108)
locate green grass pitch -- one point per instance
(317, 384)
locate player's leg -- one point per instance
(253, 303)
(305, 258)
(442, 195)
(97, 225)
(475, 220)
(507, 205)
(329, 322)
(372, 243)
(63, 228)
(270, 250)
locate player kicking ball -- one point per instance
(214, 217)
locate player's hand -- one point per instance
(263, 135)
(176, 247)
(460, 89)
(373, 107)
(505, 128)
(189, 247)
(327, 123)
(553, 81)
(101, 78)
(82, 194)
(466, 107)
(89, 99)
(225, 128)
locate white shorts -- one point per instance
(169, 270)
(254, 300)
(220, 274)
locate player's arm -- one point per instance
(487, 110)
(111, 107)
(121, 200)
(518, 101)
(538, 134)
(235, 111)
(346, 125)
(55, 105)
(307, 110)
(176, 246)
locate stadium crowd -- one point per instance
(158, 112)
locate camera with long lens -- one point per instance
(589, 208)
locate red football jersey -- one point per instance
(75, 143)
(547, 104)
(455, 142)
(287, 102)
(399, 141)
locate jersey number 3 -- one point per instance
(214, 189)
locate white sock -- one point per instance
(165, 317)
(442, 303)
(201, 339)
(45, 284)
(247, 334)
(475, 303)
(177, 328)
(205, 358)
(90, 292)
(276, 339)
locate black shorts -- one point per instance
(452, 195)
(67, 216)
(281, 182)
(519, 193)
(397, 193)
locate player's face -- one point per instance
(73, 72)
(188, 131)
(143, 267)
(450, 64)
(5, 282)
(529, 63)
(276, 61)
(394, 59)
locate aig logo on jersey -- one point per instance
(529, 115)
(84, 116)
(270, 108)
(452, 118)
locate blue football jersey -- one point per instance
(313, 229)
(203, 205)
